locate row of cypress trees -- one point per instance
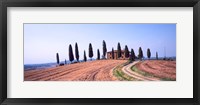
(71, 55)
(131, 56)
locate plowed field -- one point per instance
(100, 70)
(159, 68)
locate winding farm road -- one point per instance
(127, 69)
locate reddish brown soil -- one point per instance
(100, 70)
(159, 68)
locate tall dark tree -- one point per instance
(104, 49)
(140, 53)
(126, 51)
(65, 61)
(84, 56)
(71, 55)
(156, 55)
(76, 52)
(132, 58)
(90, 51)
(148, 53)
(119, 51)
(113, 53)
(98, 54)
(57, 58)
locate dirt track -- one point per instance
(127, 69)
(86, 71)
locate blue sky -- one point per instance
(43, 41)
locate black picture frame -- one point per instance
(99, 3)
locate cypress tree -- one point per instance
(156, 55)
(132, 55)
(119, 51)
(77, 52)
(57, 58)
(140, 53)
(90, 51)
(71, 55)
(98, 54)
(104, 48)
(113, 54)
(148, 53)
(85, 58)
(126, 51)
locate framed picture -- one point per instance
(99, 52)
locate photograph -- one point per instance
(99, 51)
